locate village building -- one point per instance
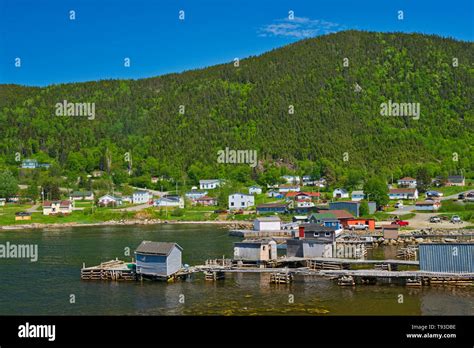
(277, 208)
(340, 193)
(195, 194)
(407, 182)
(2, 202)
(205, 201)
(141, 197)
(255, 190)
(428, 205)
(210, 184)
(241, 201)
(288, 188)
(271, 223)
(456, 180)
(312, 240)
(274, 194)
(350, 206)
(57, 207)
(22, 215)
(169, 201)
(292, 179)
(158, 259)
(255, 251)
(81, 196)
(403, 193)
(357, 196)
(110, 200)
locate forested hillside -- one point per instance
(247, 107)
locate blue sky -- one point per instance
(54, 49)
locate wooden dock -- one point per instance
(110, 270)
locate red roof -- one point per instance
(65, 203)
(407, 178)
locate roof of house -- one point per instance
(340, 214)
(319, 216)
(341, 190)
(64, 203)
(427, 203)
(269, 218)
(240, 193)
(455, 178)
(407, 178)
(157, 248)
(208, 181)
(141, 192)
(310, 227)
(310, 194)
(110, 196)
(357, 192)
(402, 190)
(271, 205)
(206, 198)
(252, 243)
(255, 186)
(81, 193)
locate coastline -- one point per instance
(230, 224)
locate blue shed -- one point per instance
(158, 259)
(447, 257)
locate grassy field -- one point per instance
(451, 190)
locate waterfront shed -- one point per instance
(158, 259)
(255, 250)
(447, 257)
(270, 223)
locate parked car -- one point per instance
(434, 194)
(455, 219)
(461, 196)
(358, 227)
(399, 205)
(435, 219)
(400, 223)
(220, 211)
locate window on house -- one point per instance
(242, 204)
(231, 204)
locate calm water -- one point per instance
(44, 287)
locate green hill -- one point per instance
(247, 107)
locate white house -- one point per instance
(2, 202)
(141, 197)
(240, 201)
(271, 223)
(288, 188)
(403, 193)
(81, 195)
(209, 184)
(456, 180)
(57, 207)
(304, 204)
(428, 205)
(169, 201)
(195, 194)
(407, 182)
(107, 200)
(340, 193)
(291, 179)
(255, 190)
(357, 195)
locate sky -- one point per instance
(53, 48)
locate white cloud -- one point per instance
(299, 27)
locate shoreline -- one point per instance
(32, 226)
